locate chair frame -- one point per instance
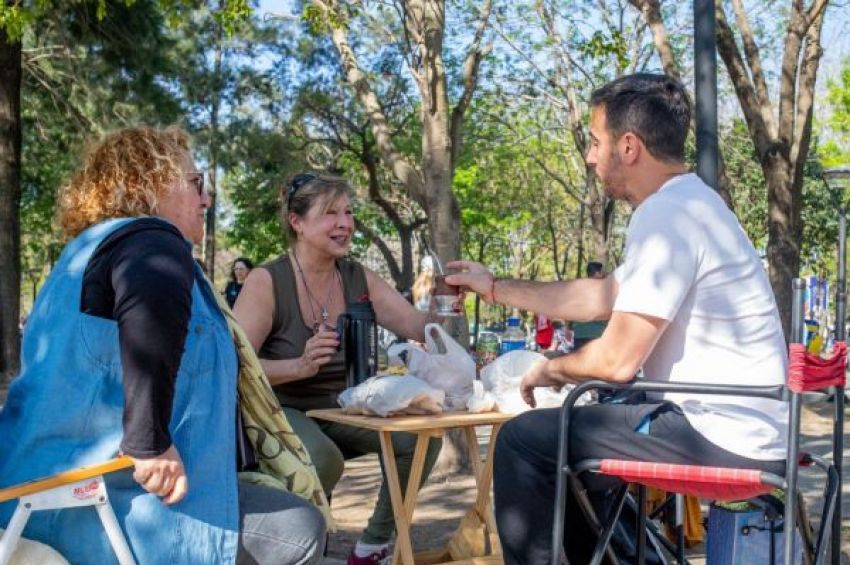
(79, 487)
(566, 472)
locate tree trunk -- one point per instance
(783, 233)
(430, 185)
(10, 202)
(209, 238)
(601, 208)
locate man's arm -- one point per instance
(616, 356)
(578, 300)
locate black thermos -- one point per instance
(358, 338)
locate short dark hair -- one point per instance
(654, 107)
(593, 267)
(245, 261)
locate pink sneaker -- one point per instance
(377, 558)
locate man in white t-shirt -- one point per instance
(690, 303)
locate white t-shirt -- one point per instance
(689, 261)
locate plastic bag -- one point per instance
(481, 400)
(392, 396)
(503, 376)
(29, 552)
(444, 364)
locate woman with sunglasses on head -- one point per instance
(289, 309)
(128, 351)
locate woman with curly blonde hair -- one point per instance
(127, 351)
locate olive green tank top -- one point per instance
(290, 333)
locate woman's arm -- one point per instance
(394, 312)
(141, 277)
(254, 310)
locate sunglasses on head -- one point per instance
(197, 180)
(297, 182)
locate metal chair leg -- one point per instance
(611, 523)
(680, 529)
(13, 532)
(641, 525)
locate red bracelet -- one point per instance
(491, 296)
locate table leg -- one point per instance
(484, 478)
(422, 439)
(402, 526)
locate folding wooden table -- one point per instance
(476, 541)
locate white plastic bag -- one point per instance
(29, 552)
(392, 396)
(445, 365)
(503, 376)
(481, 400)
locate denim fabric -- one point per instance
(65, 408)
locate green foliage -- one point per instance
(258, 163)
(602, 45)
(835, 149)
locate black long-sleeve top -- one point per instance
(141, 276)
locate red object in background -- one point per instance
(543, 331)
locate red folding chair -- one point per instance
(805, 373)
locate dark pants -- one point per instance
(527, 455)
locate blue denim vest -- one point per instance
(65, 410)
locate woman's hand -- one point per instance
(163, 475)
(317, 351)
(475, 278)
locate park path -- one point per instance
(443, 500)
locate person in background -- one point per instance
(584, 332)
(562, 338)
(289, 309)
(543, 332)
(238, 272)
(127, 351)
(423, 284)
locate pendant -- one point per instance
(324, 315)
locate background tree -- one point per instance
(10, 192)
(781, 128)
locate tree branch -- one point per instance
(474, 54)
(744, 89)
(751, 51)
(794, 35)
(651, 10)
(806, 95)
(401, 167)
(372, 235)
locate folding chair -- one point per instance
(70, 489)
(805, 373)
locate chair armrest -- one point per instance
(776, 392)
(65, 477)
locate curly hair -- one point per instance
(124, 174)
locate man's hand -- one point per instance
(475, 278)
(539, 375)
(163, 475)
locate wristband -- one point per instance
(491, 296)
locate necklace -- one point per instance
(312, 301)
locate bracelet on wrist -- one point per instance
(491, 296)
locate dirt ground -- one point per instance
(443, 500)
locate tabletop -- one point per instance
(443, 420)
